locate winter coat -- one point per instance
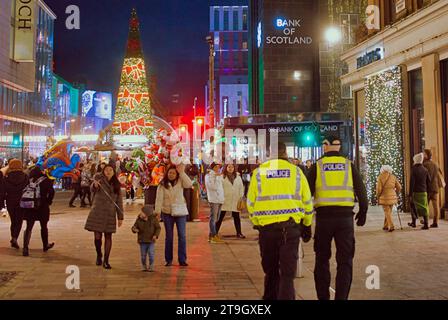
(433, 171)
(215, 189)
(387, 188)
(233, 192)
(104, 214)
(173, 195)
(419, 179)
(13, 185)
(147, 228)
(2, 192)
(46, 200)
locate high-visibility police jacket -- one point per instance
(279, 191)
(334, 183)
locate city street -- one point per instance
(410, 263)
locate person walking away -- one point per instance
(233, 194)
(148, 228)
(76, 184)
(334, 182)
(170, 204)
(418, 190)
(434, 186)
(215, 196)
(106, 210)
(86, 180)
(41, 213)
(387, 188)
(280, 207)
(14, 183)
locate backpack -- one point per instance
(31, 195)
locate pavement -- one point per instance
(411, 263)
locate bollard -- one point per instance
(195, 204)
(300, 262)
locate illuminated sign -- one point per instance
(289, 36)
(97, 105)
(259, 35)
(369, 57)
(24, 30)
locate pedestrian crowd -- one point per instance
(281, 195)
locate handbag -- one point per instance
(242, 205)
(178, 209)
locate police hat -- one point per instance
(331, 140)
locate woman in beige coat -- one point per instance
(387, 189)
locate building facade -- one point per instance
(25, 78)
(229, 31)
(399, 79)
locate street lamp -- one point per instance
(333, 35)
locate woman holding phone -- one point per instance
(106, 210)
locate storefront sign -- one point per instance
(298, 128)
(289, 33)
(400, 5)
(369, 57)
(24, 30)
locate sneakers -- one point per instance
(151, 268)
(144, 268)
(216, 239)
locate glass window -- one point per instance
(216, 18)
(245, 17)
(416, 114)
(226, 19)
(236, 25)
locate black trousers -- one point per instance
(342, 231)
(16, 216)
(130, 194)
(236, 221)
(77, 192)
(150, 195)
(29, 231)
(279, 253)
(86, 193)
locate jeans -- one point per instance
(342, 230)
(279, 249)
(215, 211)
(147, 249)
(181, 224)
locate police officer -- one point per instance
(334, 182)
(280, 207)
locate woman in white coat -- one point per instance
(233, 192)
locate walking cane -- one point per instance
(399, 219)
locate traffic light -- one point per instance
(311, 137)
(16, 140)
(200, 121)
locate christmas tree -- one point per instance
(133, 115)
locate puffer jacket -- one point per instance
(233, 192)
(387, 188)
(104, 214)
(215, 188)
(173, 195)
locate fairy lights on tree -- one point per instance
(384, 127)
(133, 115)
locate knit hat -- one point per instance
(148, 209)
(15, 165)
(331, 139)
(418, 158)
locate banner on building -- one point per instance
(24, 30)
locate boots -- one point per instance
(14, 244)
(425, 223)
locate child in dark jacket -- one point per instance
(148, 228)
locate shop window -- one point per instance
(416, 112)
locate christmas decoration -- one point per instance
(133, 115)
(384, 127)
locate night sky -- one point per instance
(173, 33)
